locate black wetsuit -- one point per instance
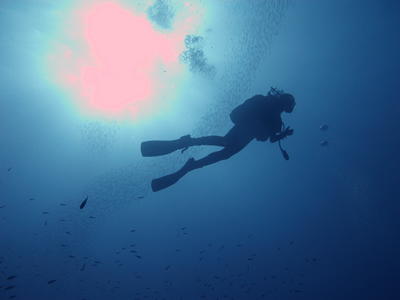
(257, 118)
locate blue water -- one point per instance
(323, 225)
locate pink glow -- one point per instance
(124, 48)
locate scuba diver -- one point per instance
(257, 118)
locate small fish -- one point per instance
(83, 267)
(138, 256)
(31, 199)
(9, 169)
(45, 223)
(324, 143)
(239, 245)
(133, 230)
(216, 277)
(97, 262)
(45, 213)
(291, 243)
(324, 127)
(209, 245)
(84, 203)
(314, 259)
(2, 206)
(63, 204)
(51, 281)
(141, 197)
(183, 228)
(279, 248)
(92, 217)
(10, 287)
(306, 259)
(222, 247)
(67, 232)
(177, 250)
(167, 268)
(249, 236)
(200, 258)
(11, 277)
(11, 297)
(62, 220)
(133, 251)
(62, 245)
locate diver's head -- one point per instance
(288, 102)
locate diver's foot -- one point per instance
(186, 138)
(189, 166)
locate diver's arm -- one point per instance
(274, 137)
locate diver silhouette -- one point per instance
(257, 118)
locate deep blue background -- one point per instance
(324, 224)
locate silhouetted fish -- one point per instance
(167, 268)
(45, 213)
(83, 203)
(9, 287)
(324, 143)
(11, 277)
(138, 256)
(51, 281)
(9, 169)
(324, 128)
(31, 199)
(63, 204)
(2, 206)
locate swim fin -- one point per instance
(157, 148)
(165, 181)
(168, 180)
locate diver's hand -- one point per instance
(287, 132)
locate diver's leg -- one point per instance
(233, 142)
(212, 140)
(157, 148)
